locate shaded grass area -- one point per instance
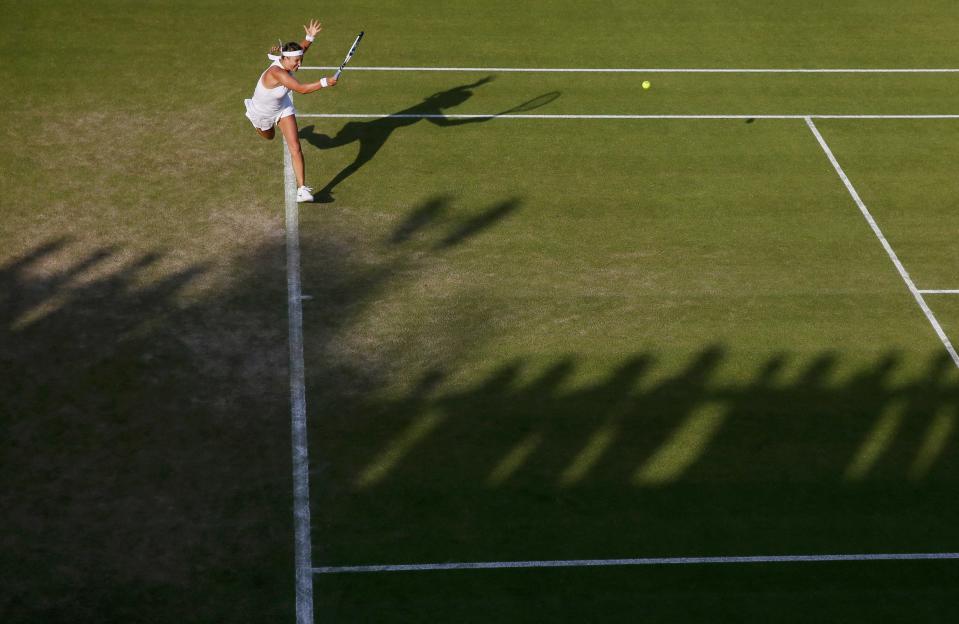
(142, 329)
(822, 592)
(512, 470)
(145, 441)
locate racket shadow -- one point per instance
(373, 135)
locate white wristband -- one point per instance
(324, 83)
(309, 38)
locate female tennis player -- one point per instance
(271, 104)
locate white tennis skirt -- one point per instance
(265, 122)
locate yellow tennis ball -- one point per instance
(646, 84)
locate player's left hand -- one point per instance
(313, 28)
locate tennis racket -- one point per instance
(533, 104)
(349, 55)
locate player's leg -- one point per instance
(258, 122)
(288, 128)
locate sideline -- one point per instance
(303, 547)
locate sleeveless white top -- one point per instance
(268, 102)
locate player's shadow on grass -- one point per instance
(372, 135)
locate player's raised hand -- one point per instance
(313, 28)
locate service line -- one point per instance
(649, 70)
(614, 117)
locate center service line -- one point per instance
(882, 239)
(648, 561)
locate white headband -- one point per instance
(292, 54)
(276, 57)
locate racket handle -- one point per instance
(336, 76)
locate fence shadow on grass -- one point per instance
(647, 461)
(649, 428)
(147, 457)
(438, 212)
(146, 422)
(146, 465)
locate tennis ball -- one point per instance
(646, 84)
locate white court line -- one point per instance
(648, 561)
(882, 239)
(501, 116)
(940, 292)
(649, 70)
(302, 541)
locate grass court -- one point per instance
(644, 324)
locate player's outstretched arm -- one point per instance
(312, 30)
(291, 83)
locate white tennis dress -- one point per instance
(268, 106)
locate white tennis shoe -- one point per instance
(304, 194)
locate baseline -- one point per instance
(885, 244)
(647, 561)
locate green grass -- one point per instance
(605, 313)
(527, 339)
